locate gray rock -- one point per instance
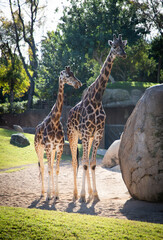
(111, 157)
(141, 148)
(18, 128)
(115, 95)
(19, 140)
(136, 95)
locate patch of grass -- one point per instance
(12, 170)
(19, 223)
(12, 156)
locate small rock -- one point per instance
(19, 140)
(18, 128)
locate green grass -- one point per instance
(12, 156)
(19, 223)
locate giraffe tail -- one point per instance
(39, 170)
(77, 159)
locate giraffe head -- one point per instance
(117, 46)
(68, 77)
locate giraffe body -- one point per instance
(49, 135)
(87, 119)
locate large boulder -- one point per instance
(19, 140)
(141, 148)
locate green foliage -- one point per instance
(17, 107)
(19, 223)
(131, 85)
(13, 78)
(81, 41)
(138, 66)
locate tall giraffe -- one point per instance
(86, 121)
(49, 135)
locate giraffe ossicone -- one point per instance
(86, 121)
(49, 135)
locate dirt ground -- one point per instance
(22, 189)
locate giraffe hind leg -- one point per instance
(73, 141)
(40, 154)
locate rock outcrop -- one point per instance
(141, 148)
(121, 97)
(19, 140)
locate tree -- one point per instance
(13, 79)
(81, 39)
(157, 53)
(32, 6)
(87, 26)
(150, 14)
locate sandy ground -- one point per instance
(22, 189)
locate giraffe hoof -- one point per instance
(82, 199)
(90, 198)
(42, 194)
(48, 197)
(75, 197)
(56, 198)
(96, 199)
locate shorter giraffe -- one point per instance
(49, 135)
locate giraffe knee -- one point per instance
(93, 167)
(85, 167)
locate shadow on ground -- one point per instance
(143, 211)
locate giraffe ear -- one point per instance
(110, 42)
(124, 42)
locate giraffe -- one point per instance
(86, 121)
(49, 135)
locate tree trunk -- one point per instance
(159, 69)
(30, 94)
(11, 100)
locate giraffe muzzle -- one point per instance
(78, 84)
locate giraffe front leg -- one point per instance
(52, 177)
(48, 154)
(85, 163)
(88, 176)
(96, 143)
(59, 154)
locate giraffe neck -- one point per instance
(57, 108)
(98, 87)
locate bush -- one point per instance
(18, 107)
(131, 85)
